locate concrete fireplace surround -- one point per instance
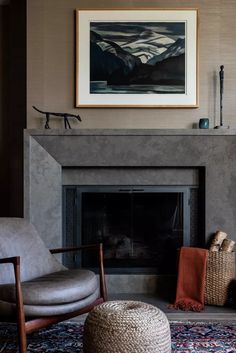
(89, 157)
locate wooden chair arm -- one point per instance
(99, 247)
(15, 260)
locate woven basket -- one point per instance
(219, 274)
(126, 327)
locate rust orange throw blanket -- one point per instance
(191, 279)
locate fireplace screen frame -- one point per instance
(72, 236)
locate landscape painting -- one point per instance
(136, 58)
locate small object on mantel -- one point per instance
(204, 123)
(227, 245)
(65, 116)
(217, 240)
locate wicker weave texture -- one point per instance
(219, 274)
(126, 327)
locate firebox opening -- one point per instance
(141, 227)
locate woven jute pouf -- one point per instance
(126, 327)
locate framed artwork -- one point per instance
(137, 58)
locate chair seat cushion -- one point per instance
(9, 309)
(55, 288)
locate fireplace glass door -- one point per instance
(141, 228)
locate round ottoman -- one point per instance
(126, 327)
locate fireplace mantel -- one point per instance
(131, 132)
(47, 152)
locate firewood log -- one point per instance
(227, 245)
(217, 240)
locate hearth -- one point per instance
(141, 227)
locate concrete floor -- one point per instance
(210, 313)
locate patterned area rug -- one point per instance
(187, 337)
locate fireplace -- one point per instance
(192, 158)
(141, 227)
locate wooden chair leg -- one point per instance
(22, 338)
(20, 310)
(103, 288)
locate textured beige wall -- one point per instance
(51, 75)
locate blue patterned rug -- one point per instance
(187, 337)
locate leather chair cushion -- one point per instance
(56, 288)
(9, 309)
(20, 238)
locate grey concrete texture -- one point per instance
(213, 150)
(130, 176)
(128, 283)
(43, 196)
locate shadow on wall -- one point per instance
(4, 170)
(12, 105)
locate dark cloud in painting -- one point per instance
(118, 30)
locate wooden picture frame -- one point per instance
(142, 58)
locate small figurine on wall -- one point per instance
(65, 116)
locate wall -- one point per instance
(12, 105)
(51, 65)
(16, 102)
(1, 86)
(1, 69)
(2, 176)
(4, 170)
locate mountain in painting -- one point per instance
(176, 49)
(103, 64)
(148, 45)
(125, 61)
(167, 72)
(107, 56)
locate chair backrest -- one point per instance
(19, 238)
